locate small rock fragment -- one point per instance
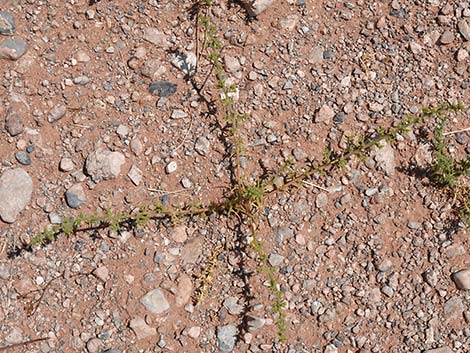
(93, 345)
(464, 29)
(316, 56)
(275, 259)
(13, 124)
(322, 200)
(7, 23)
(183, 290)
(232, 64)
(155, 37)
(75, 196)
(66, 165)
(194, 332)
(23, 157)
(227, 337)
(137, 146)
(141, 329)
(462, 279)
(162, 88)
(255, 323)
(178, 114)
(179, 234)
(13, 48)
(155, 301)
(104, 164)
(325, 114)
(16, 188)
(56, 113)
(447, 37)
(256, 7)
(202, 146)
(231, 304)
(101, 273)
(171, 167)
(135, 174)
(385, 158)
(82, 56)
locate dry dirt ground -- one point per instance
(366, 263)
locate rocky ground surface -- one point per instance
(96, 113)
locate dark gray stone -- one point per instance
(23, 157)
(75, 196)
(7, 23)
(163, 88)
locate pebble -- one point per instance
(75, 196)
(178, 114)
(385, 158)
(13, 124)
(137, 146)
(135, 174)
(186, 183)
(202, 146)
(101, 273)
(227, 337)
(103, 164)
(316, 56)
(93, 345)
(289, 22)
(7, 23)
(179, 234)
(141, 329)
(13, 48)
(321, 200)
(56, 113)
(462, 279)
(231, 304)
(184, 290)
(23, 157)
(16, 188)
(464, 29)
(82, 56)
(275, 259)
(462, 54)
(232, 64)
(156, 37)
(453, 308)
(155, 301)
(447, 37)
(171, 167)
(55, 218)
(163, 88)
(325, 114)
(66, 165)
(256, 7)
(194, 332)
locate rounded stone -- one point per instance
(23, 157)
(75, 196)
